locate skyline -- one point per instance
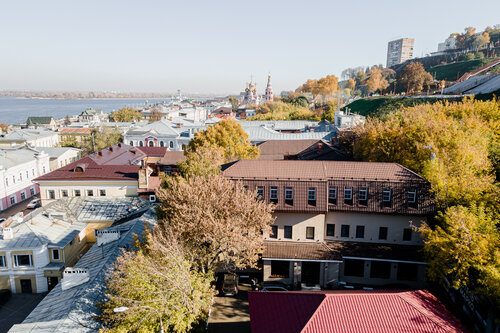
(211, 48)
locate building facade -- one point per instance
(400, 50)
(340, 222)
(18, 167)
(30, 137)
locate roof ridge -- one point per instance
(308, 323)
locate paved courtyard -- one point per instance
(231, 314)
(17, 308)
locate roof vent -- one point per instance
(73, 277)
(8, 233)
(106, 236)
(99, 153)
(57, 215)
(119, 145)
(111, 148)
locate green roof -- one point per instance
(38, 120)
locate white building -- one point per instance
(346, 119)
(60, 156)
(448, 44)
(18, 167)
(40, 137)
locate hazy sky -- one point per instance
(212, 46)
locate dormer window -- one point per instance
(387, 197)
(289, 196)
(412, 198)
(311, 196)
(363, 196)
(332, 195)
(79, 168)
(348, 195)
(273, 194)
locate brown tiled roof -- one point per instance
(153, 151)
(319, 170)
(172, 157)
(277, 149)
(336, 250)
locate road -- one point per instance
(231, 314)
(17, 308)
(18, 208)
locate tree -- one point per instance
(351, 84)
(158, 287)
(206, 160)
(234, 103)
(325, 86)
(376, 82)
(155, 116)
(101, 137)
(464, 244)
(4, 127)
(481, 40)
(414, 77)
(228, 135)
(67, 121)
(126, 114)
(216, 219)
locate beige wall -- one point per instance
(4, 282)
(299, 222)
(91, 226)
(395, 225)
(119, 189)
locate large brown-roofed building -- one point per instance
(340, 222)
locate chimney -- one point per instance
(99, 153)
(73, 277)
(106, 236)
(320, 146)
(111, 148)
(119, 145)
(8, 233)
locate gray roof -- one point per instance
(260, 134)
(55, 152)
(57, 223)
(73, 310)
(162, 127)
(44, 120)
(12, 156)
(481, 84)
(27, 134)
(281, 125)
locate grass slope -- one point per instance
(452, 72)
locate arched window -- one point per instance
(171, 144)
(161, 144)
(131, 143)
(141, 144)
(151, 143)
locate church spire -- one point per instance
(269, 95)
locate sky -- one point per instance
(212, 46)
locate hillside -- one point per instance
(451, 72)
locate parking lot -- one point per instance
(17, 308)
(20, 207)
(231, 314)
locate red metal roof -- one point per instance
(153, 151)
(351, 311)
(75, 130)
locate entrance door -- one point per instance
(52, 282)
(26, 286)
(310, 272)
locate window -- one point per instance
(14, 179)
(332, 195)
(33, 172)
(360, 231)
(171, 144)
(363, 196)
(280, 269)
(412, 198)
(348, 195)
(78, 193)
(273, 194)
(141, 144)
(274, 232)
(288, 231)
(90, 193)
(408, 272)
(23, 195)
(151, 143)
(52, 194)
(13, 200)
(344, 230)
(311, 196)
(43, 169)
(27, 174)
(162, 144)
(382, 233)
(32, 191)
(152, 198)
(330, 230)
(6, 181)
(131, 143)
(354, 267)
(289, 196)
(309, 232)
(55, 254)
(64, 193)
(23, 260)
(380, 270)
(20, 176)
(3, 263)
(260, 192)
(386, 197)
(102, 193)
(407, 234)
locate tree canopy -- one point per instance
(326, 86)
(125, 114)
(414, 77)
(228, 135)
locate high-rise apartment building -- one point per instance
(399, 51)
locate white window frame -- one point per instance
(100, 194)
(3, 262)
(386, 195)
(67, 193)
(288, 193)
(87, 192)
(273, 193)
(363, 194)
(13, 196)
(74, 192)
(412, 196)
(311, 190)
(152, 197)
(261, 192)
(58, 254)
(16, 263)
(347, 190)
(330, 191)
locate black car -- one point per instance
(230, 285)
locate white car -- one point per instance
(34, 204)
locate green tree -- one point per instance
(205, 160)
(101, 137)
(228, 135)
(158, 287)
(351, 84)
(414, 77)
(216, 219)
(125, 114)
(234, 103)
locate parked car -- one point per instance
(230, 285)
(34, 204)
(274, 288)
